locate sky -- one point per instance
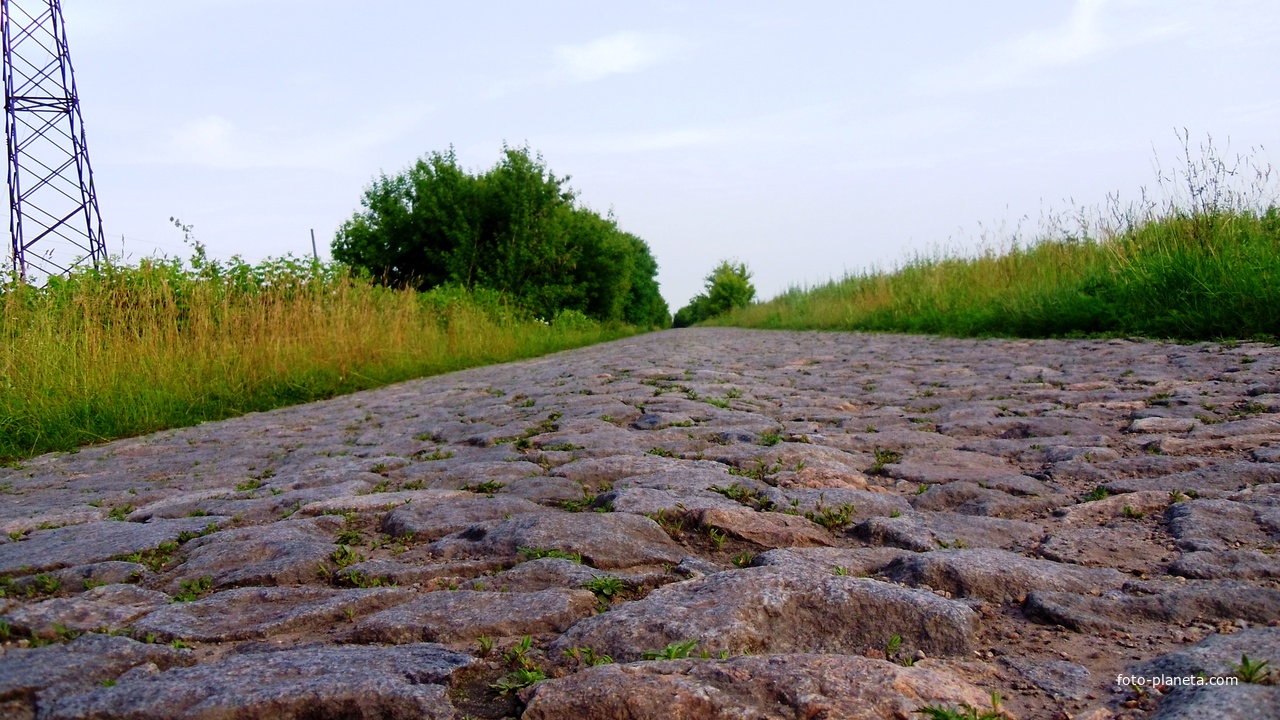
(806, 139)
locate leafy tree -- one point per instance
(728, 286)
(645, 306)
(515, 229)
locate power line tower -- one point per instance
(53, 207)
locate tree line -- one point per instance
(515, 228)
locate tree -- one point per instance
(515, 228)
(727, 287)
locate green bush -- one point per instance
(515, 229)
(728, 287)
(573, 320)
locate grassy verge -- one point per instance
(1205, 267)
(131, 350)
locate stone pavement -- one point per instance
(745, 523)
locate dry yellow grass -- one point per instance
(133, 350)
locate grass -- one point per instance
(891, 647)
(1096, 494)
(965, 712)
(487, 487)
(1202, 265)
(193, 590)
(884, 457)
(535, 553)
(345, 557)
(754, 499)
(46, 584)
(128, 350)
(837, 518)
(673, 651)
(1252, 671)
(605, 587)
(586, 502)
(518, 679)
(587, 656)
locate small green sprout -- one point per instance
(605, 587)
(673, 651)
(884, 457)
(536, 553)
(1252, 671)
(193, 589)
(518, 679)
(588, 656)
(1098, 493)
(891, 647)
(518, 655)
(344, 556)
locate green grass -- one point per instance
(531, 553)
(673, 651)
(129, 350)
(1187, 277)
(1204, 265)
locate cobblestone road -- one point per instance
(860, 525)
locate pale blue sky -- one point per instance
(804, 138)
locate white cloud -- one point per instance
(214, 141)
(1093, 29)
(823, 128)
(623, 52)
(632, 142)
(1080, 38)
(206, 141)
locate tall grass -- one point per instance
(129, 350)
(1202, 264)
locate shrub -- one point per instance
(515, 229)
(728, 287)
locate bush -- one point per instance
(515, 229)
(728, 287)
(573, 320)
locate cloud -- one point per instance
(623, 52)
(632, 142)
(1080, 38)
(821, 128)
(206, 141)
(214, 141)
(1093, 29)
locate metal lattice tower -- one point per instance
(53, 207)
